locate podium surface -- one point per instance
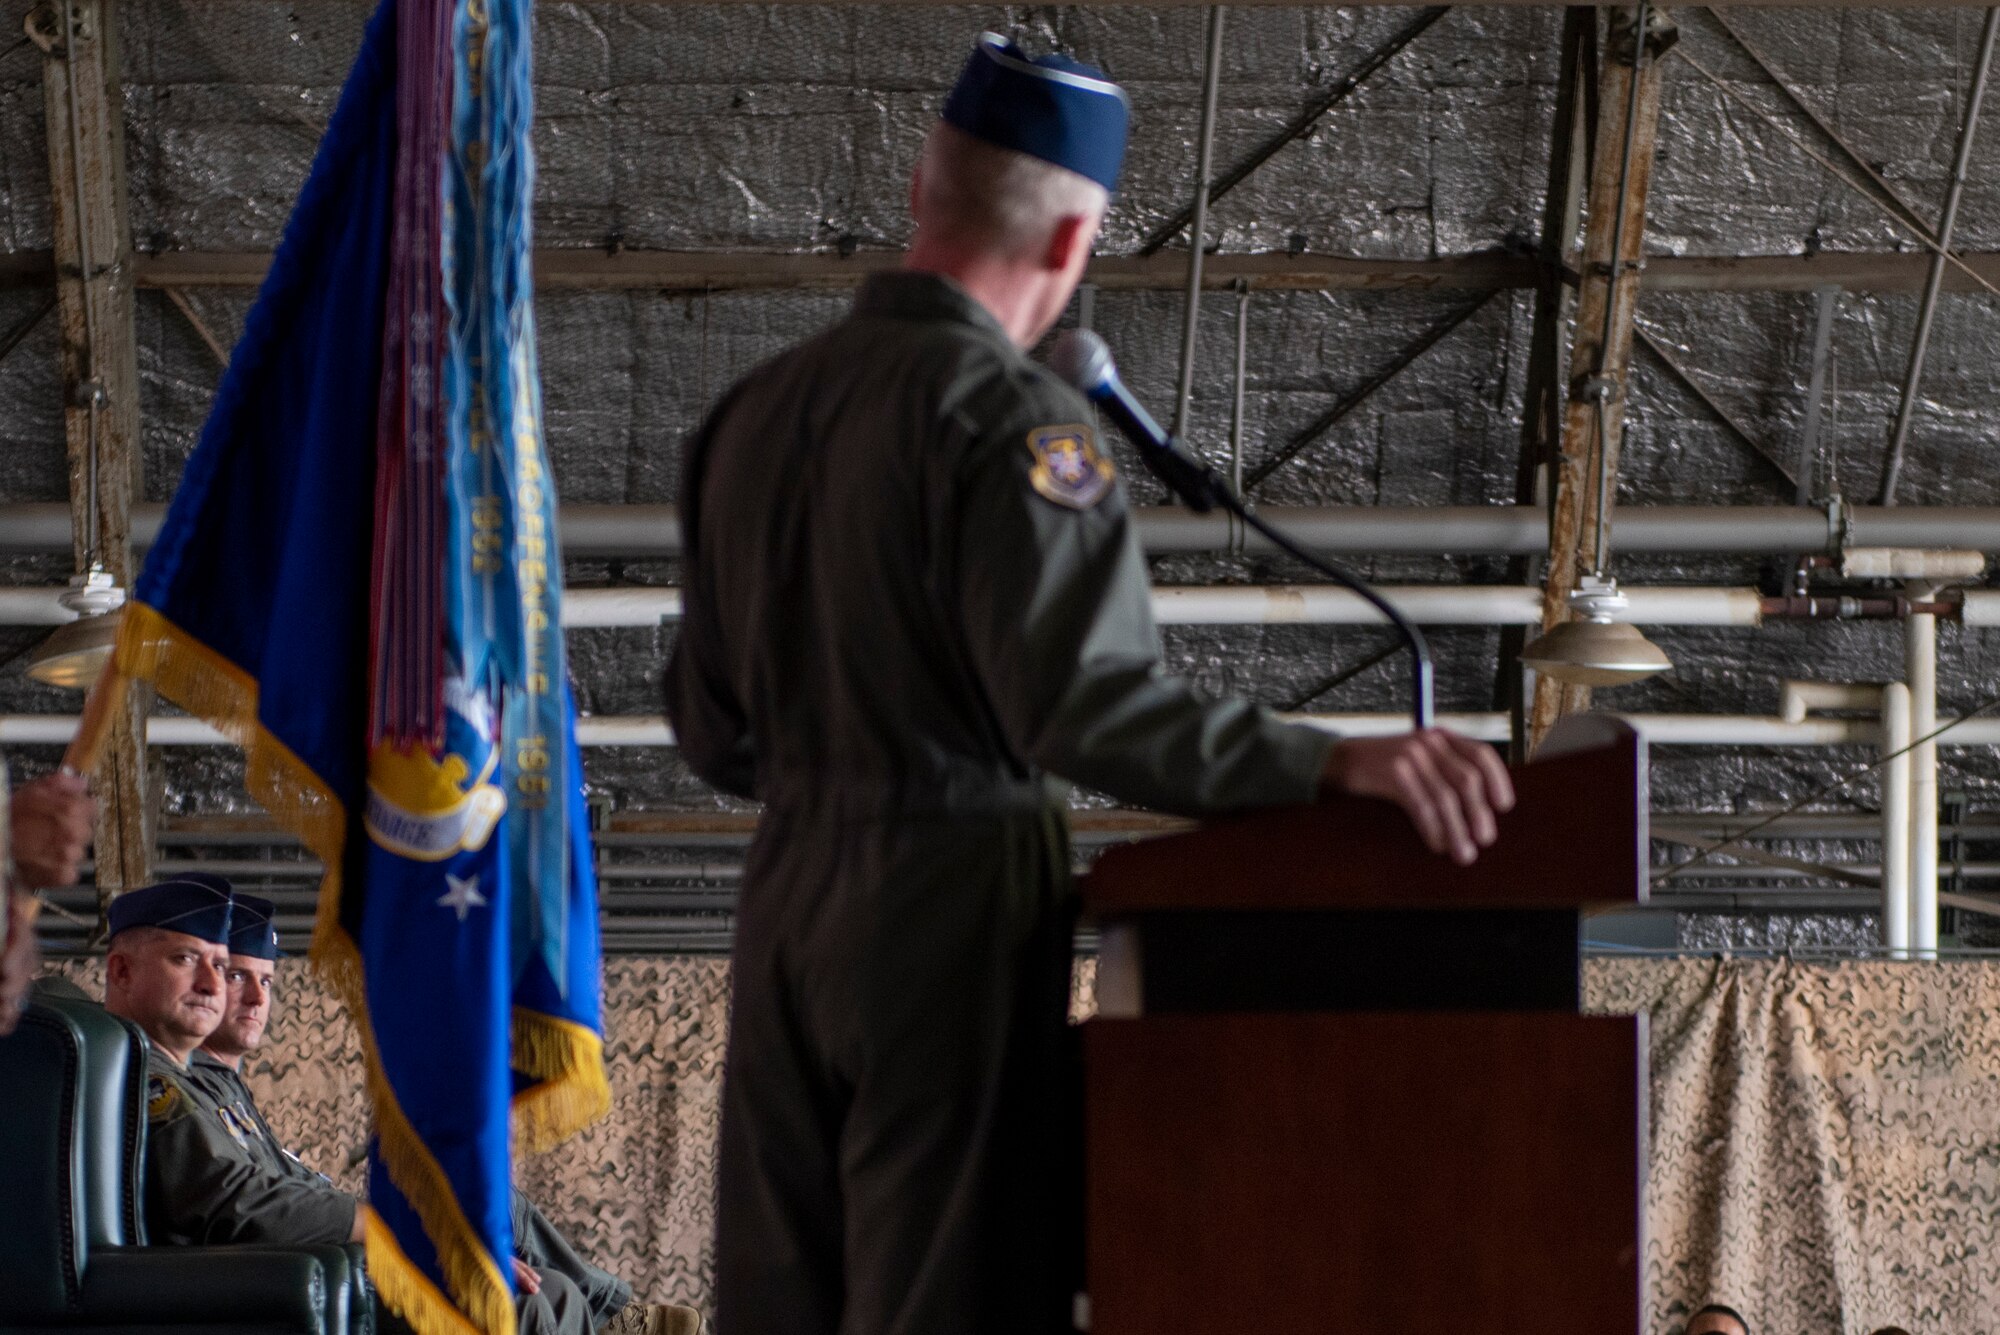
(1338, 1083)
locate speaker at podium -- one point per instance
(1337, 1083)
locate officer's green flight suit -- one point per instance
(912, 590)
(537, 1241)
(215, 1174)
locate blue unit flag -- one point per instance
(359, 582)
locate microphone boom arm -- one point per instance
(1081, 358)
(1203, 488)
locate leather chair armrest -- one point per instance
(347, 1301)
(362, 1303)
(282, 1288)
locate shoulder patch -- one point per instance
(1069, 468)
(163, 1099)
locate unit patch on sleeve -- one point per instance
(162, 1099)
(1069, 468)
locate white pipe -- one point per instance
(1361, 530)
(1436, 605)
(1268, 604)
(1670, 605)
(1430, 605)
(57, 729)
(620, 607)
(1749, 730)
(1896, 828)
(1943, 567)
(33, 607)
(1920, 653)
(1892, 704)
(1795, 698)
(1485, 727)
(1660, 729)
(1173, 605)
(1981, 607)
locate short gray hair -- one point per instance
(995, 197)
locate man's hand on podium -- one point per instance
(1451, 786)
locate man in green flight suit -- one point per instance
(540, 1248)
(207, 1180)
(913, 591)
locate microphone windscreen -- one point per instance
(1081, 357)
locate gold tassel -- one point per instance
(567, 1062)
(407, 1289)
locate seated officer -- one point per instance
(205, 1182)
(218, 1064)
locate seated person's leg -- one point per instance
(558, 1309)
(542, 1245)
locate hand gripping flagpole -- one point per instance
(1082, 358)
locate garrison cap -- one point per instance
(1053, 108)
(252, 929)
(197, 904)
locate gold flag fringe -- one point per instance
(209, 686)
(402, 1285)
(566, 1060)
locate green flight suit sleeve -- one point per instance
(204, 1186)
(711, 729)
(1057, 611)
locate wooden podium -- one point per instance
(1338, 1084)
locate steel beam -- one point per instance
(1299, 126)
(1628, 109)
(1826, 305)
(1204, 172)
(13, 337)
(1541, 416)
(736, 271)
(1892, 466)
(91, 226)
(1890, 195)
(1355, 397)
(1716, 408)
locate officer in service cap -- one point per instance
(169, 949)
(250, 978)
(913, 593)
(181, 952)
(571, 1291)
(207, 1177)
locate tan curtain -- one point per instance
(1825, 1137)
(1825, 1140)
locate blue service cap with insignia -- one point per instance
(197, 904)
(1053, 108)
(253, 929)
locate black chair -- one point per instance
(73, 1253)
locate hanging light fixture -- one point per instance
(76, 654)
(1595, 649)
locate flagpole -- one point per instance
(99, 708)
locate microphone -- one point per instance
(1083, 359)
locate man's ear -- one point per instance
(1072, 233)
(117, 969)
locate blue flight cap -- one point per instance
(253, 930)
(197, 904)
(1053, 108)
